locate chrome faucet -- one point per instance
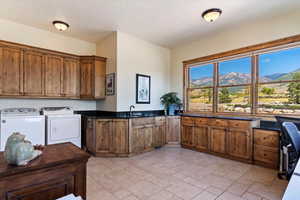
(130, 109)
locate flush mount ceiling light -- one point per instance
(212, 14)
(60, 25)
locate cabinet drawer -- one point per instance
(142, 121)
(239, 124)
(265, 154)
(160, 121)
(201, 121)
(188, 121)
(266, 138)
(218, 122)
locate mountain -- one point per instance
(275, 76)
(235, 78)
(226, 79)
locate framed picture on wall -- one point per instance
(110, 84)
(143, 89)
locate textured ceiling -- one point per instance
(164, 22)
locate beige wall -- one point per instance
(139, 56)
(108, 48)
(261, 30)
(19, 33)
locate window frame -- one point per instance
(254, 53)
(188, 89)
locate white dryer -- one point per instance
(27, 121)
(62, 125)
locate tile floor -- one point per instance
(180, 174)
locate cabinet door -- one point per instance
(33, 73)
(201, 137)
(239, 143)
(86, 79)
(120, 136)
(100, 70)
(53, 75)
(138, 139)
(218, 140)
(159, 136)
(11, 71)
(173, 130)
(148, 137)
(103, 136)
(187, 135)
(90, 134)
(71, 79)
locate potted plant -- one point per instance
(171, 102)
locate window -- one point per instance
(200, 90)
(234, 85)
(267, 82)
(278, 88)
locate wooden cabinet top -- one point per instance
(46, 51)
(53, 155)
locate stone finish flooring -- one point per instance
(180, 174)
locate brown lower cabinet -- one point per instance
(107, 137)
(223, 137)
(266, 148)
(173, 130)
(218, 139)
(124, 137)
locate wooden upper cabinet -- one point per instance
(71, 78)
(86, 79)
(34, 63)
(30, 72)
(92, 77)
(11, 71)
(53, 75)
(100, 72)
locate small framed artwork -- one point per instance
(143, 89)
(110, 84)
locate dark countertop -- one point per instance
(153, 113)
(269, 125)
(220, 117)
(121, 115)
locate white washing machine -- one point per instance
(62, 125)
(26, 121)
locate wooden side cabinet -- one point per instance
(266, 148)
(92, 73)
(59, 171)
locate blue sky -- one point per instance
(277, 62)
